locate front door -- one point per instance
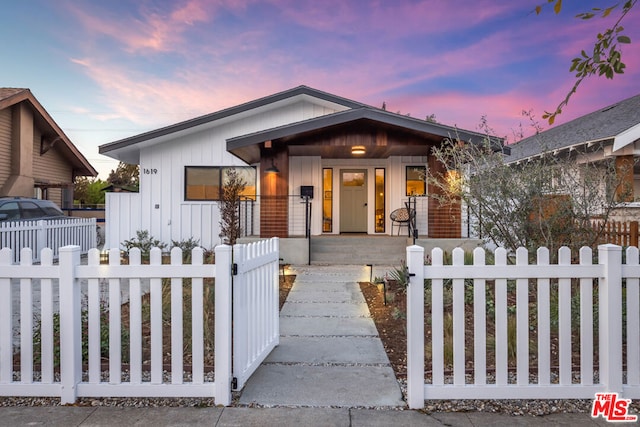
(353, 201)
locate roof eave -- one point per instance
(228, 112)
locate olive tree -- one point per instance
(549, 201)
(230, 193)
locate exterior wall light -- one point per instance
(357, 149)
(272, 168)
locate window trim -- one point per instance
(220, 172)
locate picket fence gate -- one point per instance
(51, 233)
(613, 373)
(87, 376)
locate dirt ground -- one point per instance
(390, 320)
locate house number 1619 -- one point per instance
(150, 171)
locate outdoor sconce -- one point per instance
(357, 149)
(272, 168)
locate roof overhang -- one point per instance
(626, 138)
(51, 132)
(128, 149)
(248, 147)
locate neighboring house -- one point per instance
(610, 132)
(36, 158)
(360, 162)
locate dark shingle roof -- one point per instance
(601, 125)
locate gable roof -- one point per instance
(618, 124)
(48, 127)
(195, 124)
(244, 146)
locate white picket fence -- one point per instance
(532, 283)
(52, 233)
(104, 284)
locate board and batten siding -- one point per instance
(305, 170)
(164, 212)
(5, 145)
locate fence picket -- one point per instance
(135, 320)
(26, 321)
(46, 320)
(94, 312)
(544, 322)
(501, 321)
(197, 321)
(479, 322)
(459, 323)
(437, 321)
(522, 320)
(115, 324)
(176, 321)
(633, 321)
(564, 319)
(586, 321)
(155, 259)
(6, 320)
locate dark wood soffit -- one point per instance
(380, 141)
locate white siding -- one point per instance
(305, 171)
(174, 217)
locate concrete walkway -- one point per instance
(330, 354)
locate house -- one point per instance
(36, 158)
(612, 132)
(354, 163)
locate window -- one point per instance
(380, 196)
(416, 181)
(204, 182)
(327, 200)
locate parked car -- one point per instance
(26, 209)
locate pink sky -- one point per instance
(115, 69)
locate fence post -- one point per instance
(70, 323)
(415, 327)
(223, 328)
(633, 233)
(610, 317)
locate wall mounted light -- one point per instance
(272, 168)
(357, 149)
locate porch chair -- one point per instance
(401, 217)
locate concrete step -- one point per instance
(358, 249)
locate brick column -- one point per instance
(624, 172)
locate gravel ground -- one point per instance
(503, 406)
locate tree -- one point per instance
(125, 175)
(89, 190)
(606, 57)
(232, 189)
(549, 202)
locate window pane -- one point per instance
(353, 179)
(327, 200)
(416, 177)
(248, 175)
(10, 210)
(31, 210)
(380, 196)
(202, 183)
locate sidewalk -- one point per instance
(262, 417)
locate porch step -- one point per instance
(357, 250)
